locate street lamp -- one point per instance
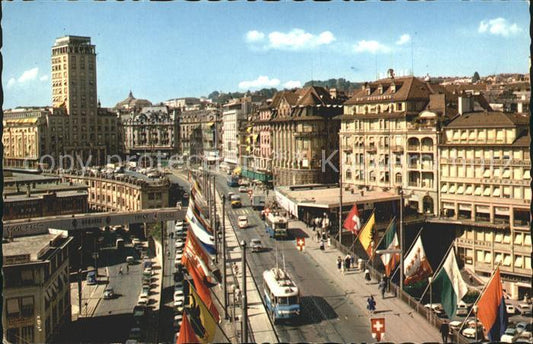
(430, 279)
(474, 309)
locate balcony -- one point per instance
(397, 149)
(371, 149)
(413, 148)
(347, 148)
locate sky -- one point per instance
(161, 51)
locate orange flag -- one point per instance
(186, 334)
(202, 290)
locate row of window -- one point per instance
(506, 191)
(500, 237)
(481, 135)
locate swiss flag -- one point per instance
(353, 221)
(377, 327)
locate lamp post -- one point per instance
(244, 301)
(474, 309)
(401, 242)
(430, 279)
(224, 271)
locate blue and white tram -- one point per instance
(282, 296)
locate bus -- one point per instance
(276, 226)
(282, 297)
(233, 181)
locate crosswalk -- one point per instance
(243, 211)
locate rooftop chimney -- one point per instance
(464, 104)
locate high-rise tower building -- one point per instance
(74, 75)
(90, 132)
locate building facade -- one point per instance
(388, 141)
(122, 192)
(36, 291)
(305, 137)
(152, 130)
(200, 133)
(485, 187)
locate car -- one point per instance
(524, 309)
(179, 224)
(470, 330)
(178, 276)
(130, 260)
(108, 293)
(178, 304)
(143, 300)
(242, 221)
(135, 333)
(145, 291)
(178, 295)
(256, 245)
(177, 322)
(179, 243)
(178, 286)
(521, 327)
(511, 310)
(509, 335)
(135, 242)
(230, 194)
(243, 188)
(139, 312)
(462, 310)
(235, 201)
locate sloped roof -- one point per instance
(407, 88)
(132, 102)
(488, 119)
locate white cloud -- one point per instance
(11, 83)
(405, 38)
(261, 82)
(292, 84)
(370, 47)
(296, 39)
(498, 26)
(43, 77)
(254, 36)
(28, 75)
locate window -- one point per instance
(27, 306)
(12, 307)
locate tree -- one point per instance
(476, 77)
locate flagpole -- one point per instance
(438, 269)
(480, 294)
(401, 256)
(362, 227)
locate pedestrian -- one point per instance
(352, 261)
(367, 275)
(127, 269)
(120, 271)
(387, 284)
(371, 304)
(444, 331)
(382, 287)
(347, 261)
(322, 245)
(313, 225)
(339, 263)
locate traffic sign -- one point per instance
(377, 327)
(300, 244)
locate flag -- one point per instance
(390, 242)
(194, 253)
(416, 266)
(203, 323)
(186, 333)
(353, 221)
(366, 234)
(202, 289)
(491, 309)
(451, 284)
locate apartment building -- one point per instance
(200, 133)
(304, 137)
(485, 187)
(389, 137)
(36, 291)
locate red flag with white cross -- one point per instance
(300, 244)
(377, 327)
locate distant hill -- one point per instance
(340, 84)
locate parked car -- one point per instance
(243, 188)
(525, 309)
(145, 291)
(242, 221)
(178, 295)
(135, 333)
(462, 310)
(511, 310)
(509, 335)
(139, 312)
(256, 245)
(143, 300)
(176, 324)
(109, 293)
(130, 260)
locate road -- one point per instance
(327, 315)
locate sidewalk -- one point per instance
(402, 323)
(92, 294)
(259, 323)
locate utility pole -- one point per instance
(401, 242)
(214, 221)
(224, 271)
(244, 312)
